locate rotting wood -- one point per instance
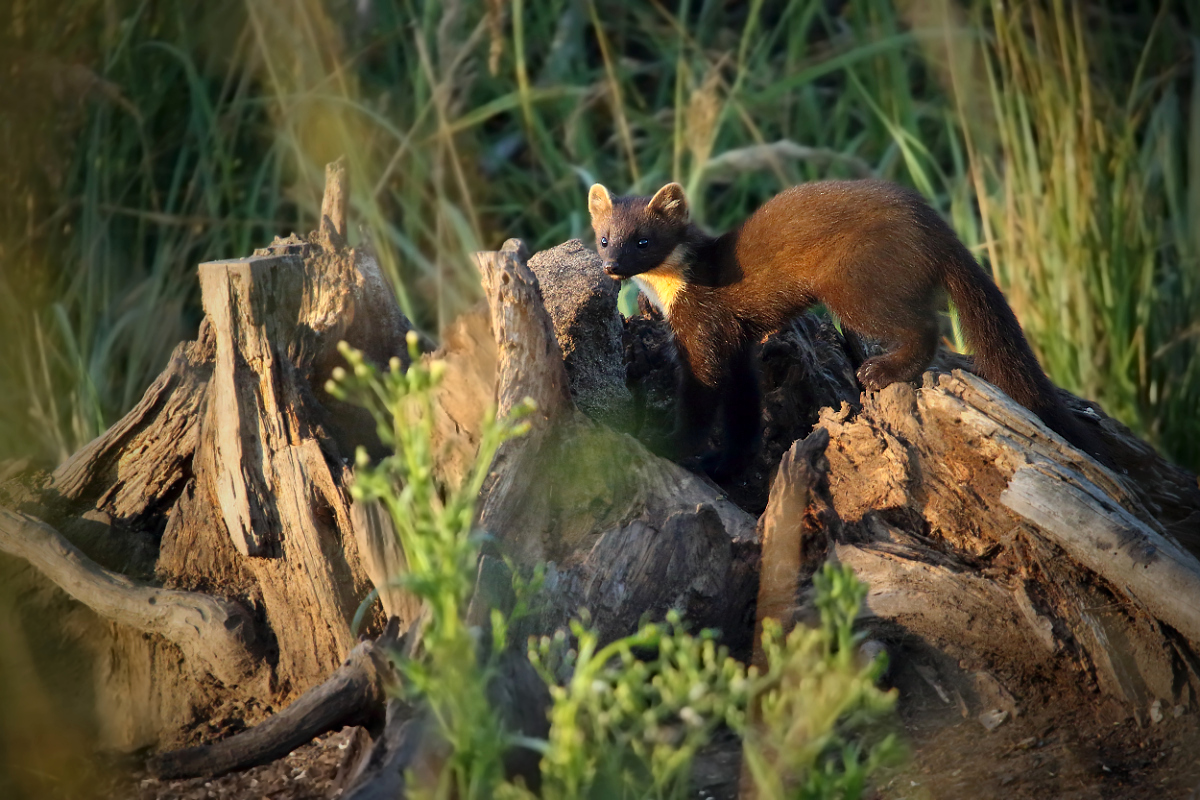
(671, 540)
(162, 429)
(1110, 542)
(580, 299)
(791, 550)
(383, 558)
(241, 410)
(922, 478)
(266, 460)
(926, 595)
(625, 532)
(382, 773)
(529, 365)
(928, 482)
(332, 228)
(232, 476)
(1152, 489)
(218, 634)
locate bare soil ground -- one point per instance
(307, 774)
(1092, 753)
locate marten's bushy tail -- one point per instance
(1002, 355)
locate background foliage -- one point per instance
(139, 138)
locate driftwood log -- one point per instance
(996, 554)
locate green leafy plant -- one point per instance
(434, 522)
(628, 724)
(630, 717)
(811, 695)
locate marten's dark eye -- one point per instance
(604, 241)
(643, 243)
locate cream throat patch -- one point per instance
(663, 284)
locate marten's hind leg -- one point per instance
(888, 292)
(914, 347)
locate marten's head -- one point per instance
(637, 234)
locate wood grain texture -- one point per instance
(219, 635)
(794, 545)
(138, 466)
(332, 229)
(1111, 542)
(989, 538)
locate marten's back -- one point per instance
(812, 241)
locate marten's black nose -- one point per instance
(610, 267)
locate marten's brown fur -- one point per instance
(873, 252)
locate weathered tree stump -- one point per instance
(988, 538)
(232, 477)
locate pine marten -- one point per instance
(876, 254)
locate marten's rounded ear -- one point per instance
(599, 201)
(671, 202)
